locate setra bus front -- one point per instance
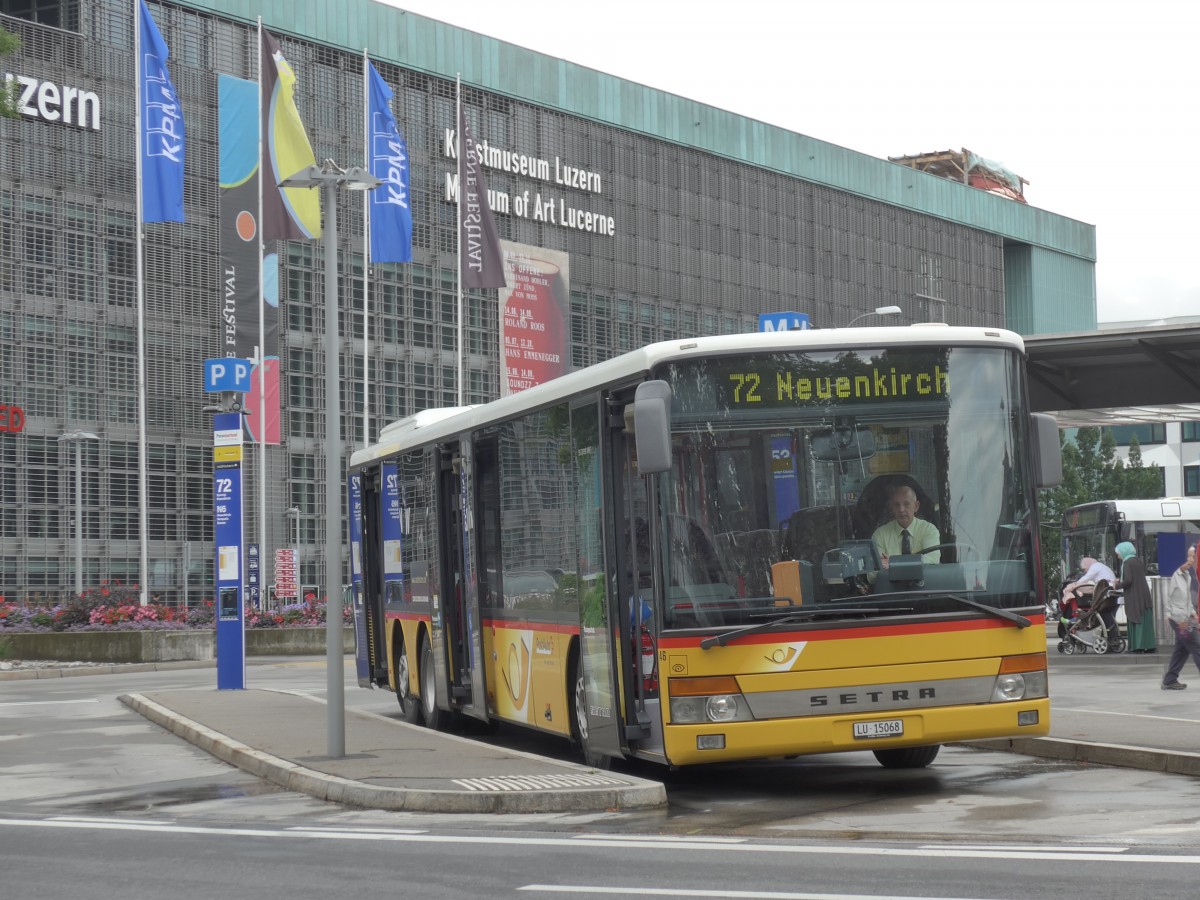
(846, 553)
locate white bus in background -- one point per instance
(1160, 531)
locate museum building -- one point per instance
(678, 219)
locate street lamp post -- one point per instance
(878, 311)
(329, 177)
(75, 437)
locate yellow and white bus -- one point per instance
(669, 556)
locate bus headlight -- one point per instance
(1021, 678)
(723, 708)
(1019, 686)
(1009, 687)
(699, 701)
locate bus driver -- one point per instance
(905, 533)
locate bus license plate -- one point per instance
(882, 729)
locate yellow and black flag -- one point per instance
(288, 213)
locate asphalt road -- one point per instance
(97, 802)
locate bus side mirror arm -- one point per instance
(1047, 449)
(652, 426)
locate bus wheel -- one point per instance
(410, 708)
(579, 723)
(908, 757)
(434, 717)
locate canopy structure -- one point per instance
(1118, 376)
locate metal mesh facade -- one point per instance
(702, 245)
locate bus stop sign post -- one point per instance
(227, 534)
(231, 379)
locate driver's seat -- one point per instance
(870, 511)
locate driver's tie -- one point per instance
(905, 542)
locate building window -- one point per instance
(1154, 433)
(1191, 481)
(1191, 431)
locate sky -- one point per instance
(1093, 103)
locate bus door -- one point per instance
(453, 650)
(366, 569)
(631, 523)
(469, 637)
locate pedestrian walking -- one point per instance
(1181, 616)
(1139, 607)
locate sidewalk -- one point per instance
(281, 737)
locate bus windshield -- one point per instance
(810, 456)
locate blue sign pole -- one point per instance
(783, 321)
(227, 534)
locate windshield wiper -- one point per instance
(1016, 618)
(720, 640)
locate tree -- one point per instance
(9, 43)
(1091, 471)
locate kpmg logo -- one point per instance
(164, 117)
(389, 150)
(49, 102)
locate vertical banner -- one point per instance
(227, 536)
(387, 160)
(478, 239)
(239, 179)
(289, 214)
(161, 137)
(535, 317)
(365, 635)
(389, 514)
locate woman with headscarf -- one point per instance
(1139, 607)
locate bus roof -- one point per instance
(1162, 509)
(439, 424)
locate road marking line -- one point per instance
(45, 702)
(653, 843)
(731, 894)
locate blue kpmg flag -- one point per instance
(387, 160)
(160, 137)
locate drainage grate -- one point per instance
(538, 782)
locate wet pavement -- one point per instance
(1106, 710)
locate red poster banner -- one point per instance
(535, 317)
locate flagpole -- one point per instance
(262, 339)
(367, 160)
(458, 232)
(143, 510)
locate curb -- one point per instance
(1174, 762)
(334, 789)
(102, 669)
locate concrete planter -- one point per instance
(167, 646)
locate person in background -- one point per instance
(1139, 607)
(1181, 616)
(1093, 571)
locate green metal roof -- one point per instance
(426, 45)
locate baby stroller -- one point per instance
(1082, 623)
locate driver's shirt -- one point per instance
(921, 534)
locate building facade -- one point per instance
(678, 219)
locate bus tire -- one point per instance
(907, 757)
(579, 723)
(410, 707)
(434, 718)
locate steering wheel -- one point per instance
(958, 546)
